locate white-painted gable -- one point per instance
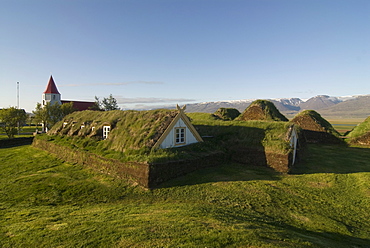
(170, 140)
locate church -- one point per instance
(52, 95)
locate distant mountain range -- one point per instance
(327, 106)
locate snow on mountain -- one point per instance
(288, 106)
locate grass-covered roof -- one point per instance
(264, 135)
(129, 129)
(313, 121)
(133, 134)
(227, 113)
(315, 128)
(262, 110)
(361, 129)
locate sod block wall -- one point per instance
(161, 172)
(258, 157)
(134, 172)
(144, 174)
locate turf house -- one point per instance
(315, 128)
(227, 114)
(129, 144)
(262, 110)
(360, 135)
(151, 147)
(268, 142)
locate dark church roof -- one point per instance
(79, 105)
(51, 88)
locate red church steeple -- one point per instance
(51, 88)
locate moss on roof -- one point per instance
(227, 113)
(361, 129)
(313, 121)
(129, 129)
(315, 128)
(265, 135)
(262, 110)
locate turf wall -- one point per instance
(258, 157)
(144, 174)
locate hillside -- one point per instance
(327, 106)
(358, 107)
(319, 102)
(47, 203)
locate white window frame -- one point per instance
(180, 135)
(106, 130)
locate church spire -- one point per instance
(51, 94)
(51, 88)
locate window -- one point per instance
(180, 135)
(106, 130)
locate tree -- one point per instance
(11, 120)
(41, 114)
(97, 105)
(110, 103)
(106, 104)
(67, 108)
(52, 113)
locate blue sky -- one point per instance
(162, 52)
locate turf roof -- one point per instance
(313, 121)
(129, 129)
(262, 110)
(227, 113)
(361, 129)
(270, 136)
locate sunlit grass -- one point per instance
(325, 203)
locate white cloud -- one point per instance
(151, 100)
(112, 84)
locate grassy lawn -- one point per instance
(325, 202)
(26, 131)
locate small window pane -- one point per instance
(180, 135)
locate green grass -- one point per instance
(325, 203)
(360, 129)
(265, 135)
(344, 126)
(271, 113)
(130, 130)
(26, 131)
(132, 136)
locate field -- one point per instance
(26, 131)
(323, 202)
(345, 125)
